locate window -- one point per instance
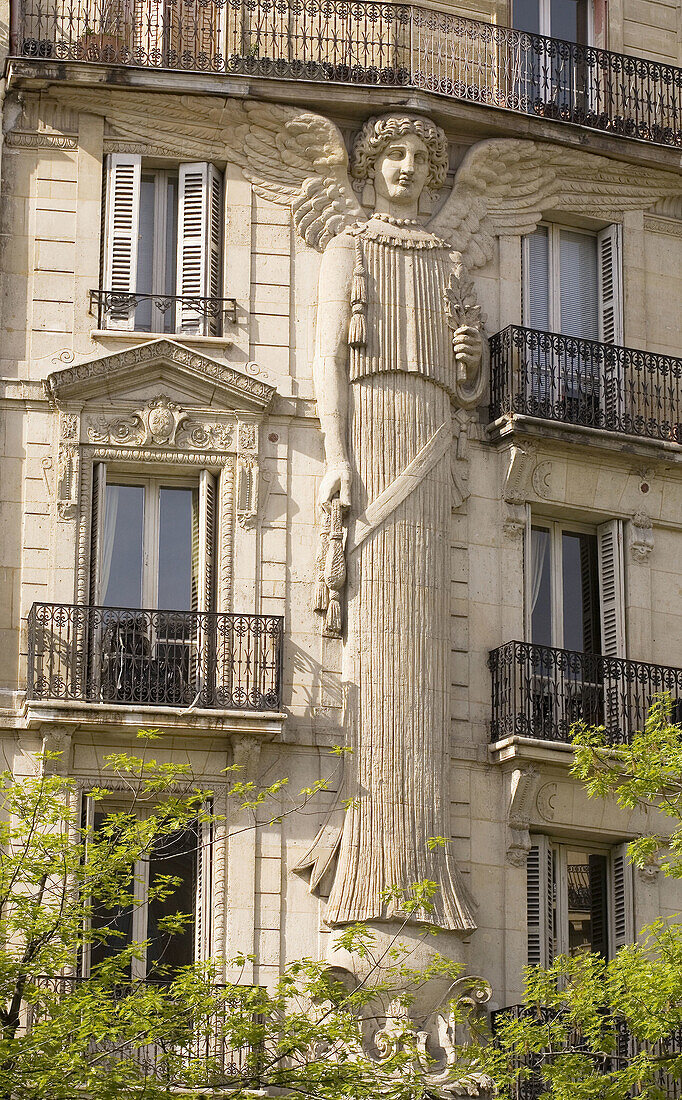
(571, 282)
(162, 242)
(566, 19)
(556, 83)
(153, 541)
(574, 587)
(183, 854)
(574, 603)
(564, 588)
(572, 286)
(152, 575)
(578, 898)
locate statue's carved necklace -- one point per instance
(400, 223)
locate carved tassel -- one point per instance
(335, 571)
(321, 592)
(357, 329)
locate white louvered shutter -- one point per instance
(612, 622)
(610, 299)
(621, 899)
(122, 234)
(200, 217)
(208, 497)
(99, 482)
(609, 282)
(540, 902)
(611, 588)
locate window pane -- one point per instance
(175, 855)
(580, 592)
(145, 252)
(171, 247)
(569, 20)
(175, 549)
(526, 16)
(578, 275)
(587, 916)
(121, 559)
(540, 586)
(116, 920)
(536, 308)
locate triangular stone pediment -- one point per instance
(125, 374)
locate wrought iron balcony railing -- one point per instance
(541, 692)
(201, 1054)
(159, 658)
(369, 44)
(162, 312)
(625, 1047)
(573, 381)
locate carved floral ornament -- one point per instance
(163, 423)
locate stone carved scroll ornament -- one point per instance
(385, 407)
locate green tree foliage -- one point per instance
(109, 1035)
(610, 1029)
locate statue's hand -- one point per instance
(467, 343)
(337, 479)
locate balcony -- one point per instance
(180, 659)
(583, 382)
(167, 313)
(365, 44)
(626, 1047)
(204, 1054)
(541, 692)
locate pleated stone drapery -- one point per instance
(397, 653)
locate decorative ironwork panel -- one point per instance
(603, 386)
(111, 306)
(542, 692)
(368, 43)
(204, 1055)
(158, 658)
(625, 1048)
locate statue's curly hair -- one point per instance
(377, 132)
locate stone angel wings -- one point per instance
(299, 159)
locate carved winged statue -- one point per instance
(399, 343)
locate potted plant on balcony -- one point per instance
(110, 42)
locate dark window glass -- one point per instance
(587, 911)
(175, 854)
(121, 556)
(145, 251)
(171, 249)
(526, 16)
(540, 581)
(580, 592)
(568, 20)
(175, 548)
(117, 919)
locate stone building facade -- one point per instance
(173, 178)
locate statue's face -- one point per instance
(401, 169)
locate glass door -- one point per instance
(561, 295)
(148, 582)
(553, 82)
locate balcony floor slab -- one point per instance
(522, 751)
(516, 425)
(202, 722)
(478, 121)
